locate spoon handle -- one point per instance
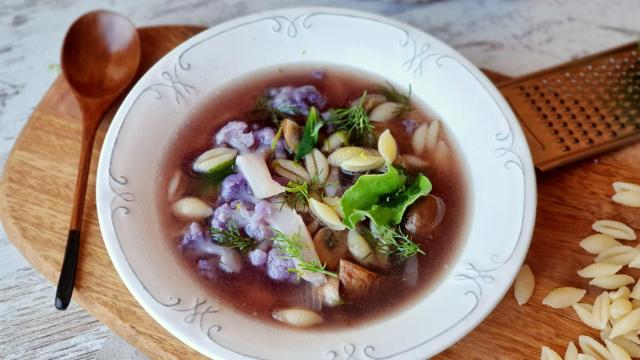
(69, 264)
(68, 273)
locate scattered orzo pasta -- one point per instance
(601, 310)
(597, 243)
(548, 354)
(563, 297)
(635, 262)
(616, 351)
(611, 282)
(627, 198)
(599, 269)
(585, 314)
(620, 308)
(590, 346)
(615, 229)
(621, 293)
(635, 292)
(629, 322)
(572, 352)
(627, 194)
(524, 285)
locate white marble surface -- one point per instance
(509, 36)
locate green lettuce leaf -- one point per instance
(383, 198)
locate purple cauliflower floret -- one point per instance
(257, 257)
(410, 125)
(257, 226)
(194, 239)
(207, 268)
(236, 187)
(278, 266)
(234, 134)
(198, 242)
(263, 137)
(295, 100)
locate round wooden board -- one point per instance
(37, 189)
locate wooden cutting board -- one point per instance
(37, 189)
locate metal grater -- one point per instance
(581, 108)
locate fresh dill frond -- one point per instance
(231, 237)
(291, 247)
(394, 242)
(353, 120)
(390, 92)
(295, 195)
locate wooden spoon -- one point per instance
(100, 57)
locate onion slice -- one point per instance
(289, 222)
(255, 170)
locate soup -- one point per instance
(314, 197)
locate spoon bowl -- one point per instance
(98, 53)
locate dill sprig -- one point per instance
(231, 237)
(353, 120)
(393, 242)
(295, 195)
(292, 247)
(390, 92)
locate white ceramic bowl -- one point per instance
(502, 183)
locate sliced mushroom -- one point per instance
(325, 214)
(298, 317)
(317, 166)
(385, 112)
(331, 246)
(291, 133)
(423, 216)
(387, 146)
(191, 208)
(335, 141)
(357, 281)
(291, 170)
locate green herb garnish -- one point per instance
(292, 247)
(296, 195)
(383, 198)
(276, 138)
(354, 120)
(232, 238)
(310, 134)
(397, 97)
(393, 242)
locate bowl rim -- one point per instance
(529, 186)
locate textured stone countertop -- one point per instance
(509, 36)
